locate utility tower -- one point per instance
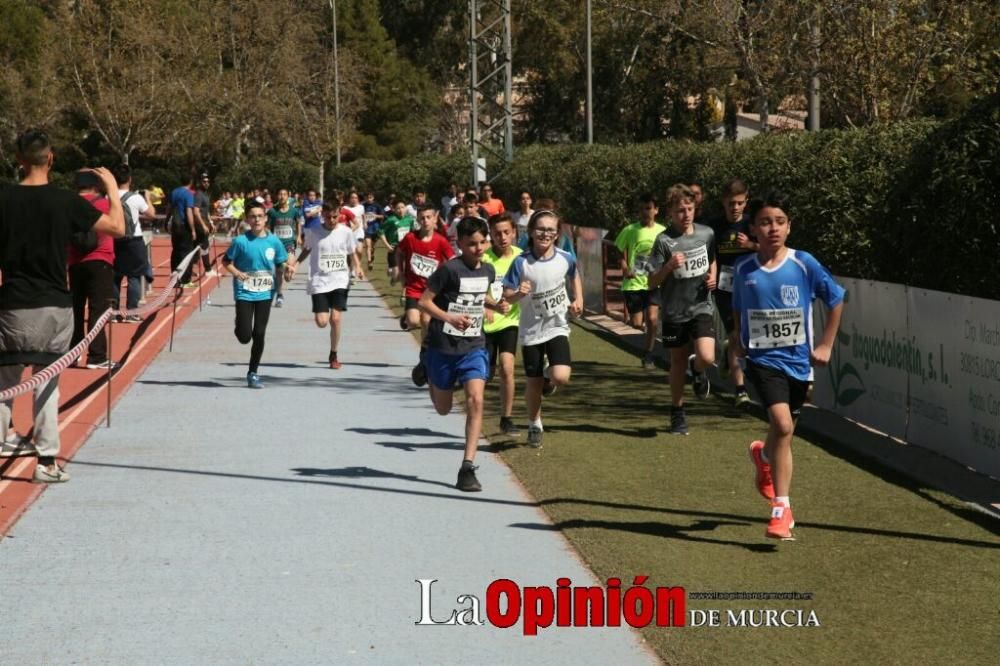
(491, 127)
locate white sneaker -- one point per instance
(16, 446)
(52, 474)
(212, 273)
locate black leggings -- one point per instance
(251, 324)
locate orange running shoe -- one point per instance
(781, 523)
(762, 474)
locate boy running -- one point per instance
(684, 261)
(456, 297)
(773, 291)
(331, 248)
(253, 258)
(501, 330)
(636, 243)
(538, 277)
(395, 228)
(283, 221)
(419, 254)
(373, 221)
(734, 241)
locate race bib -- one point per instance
(471, 307)
(770, 329)
(284, 232)
(258, 282)
(726, 278)
(695, 263)
(640, 265)
(496, 290)
(551, 303)
(332, 263)
(369, 217)
(423, 266)
(401, 234)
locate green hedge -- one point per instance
(942, 226)
(911, 202)
(844, 186)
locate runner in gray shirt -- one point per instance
(684, 269)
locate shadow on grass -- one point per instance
(663, 530)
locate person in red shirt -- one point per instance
(91, 265)
(419, 254)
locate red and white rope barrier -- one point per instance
(66, 360)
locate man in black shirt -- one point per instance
(37, 221)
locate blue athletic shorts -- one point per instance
(444, 370)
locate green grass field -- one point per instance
(898, 573)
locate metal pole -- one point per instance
(111, 338)
(590, 84)
(336, 79)
(173, 318)
(200, 282)
(508, 86)
(473, 100)
(813, 117)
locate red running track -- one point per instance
(83, 393)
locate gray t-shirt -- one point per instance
(462, 290)
(684, 294)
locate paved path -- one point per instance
(216, 524)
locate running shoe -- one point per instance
(188, 285)
(781, 523)
(740, 398)
(402, 323)
(279, 301)
(508, 428)
(16, 446)
(535, 437)
(648, 362)
(419, 375)
(467, 481)
(762, 471)
(133, 319)
(51, 474)
(335, 363)
(253, 381)
(548, 388)
(103, 365)
(678, 421)
(699, 380)
(212, 273)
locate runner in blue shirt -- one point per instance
(773, 291)
(252, 260)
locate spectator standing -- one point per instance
(203, 222)
(91, 262)
(182, 229)
(37, 221)
(131, 260)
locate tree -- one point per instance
(118, 73)
(28, 86)
(400, 99)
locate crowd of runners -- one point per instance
(476, 280)
(479, 282)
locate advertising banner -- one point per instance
(873, 359)
(955, 401)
